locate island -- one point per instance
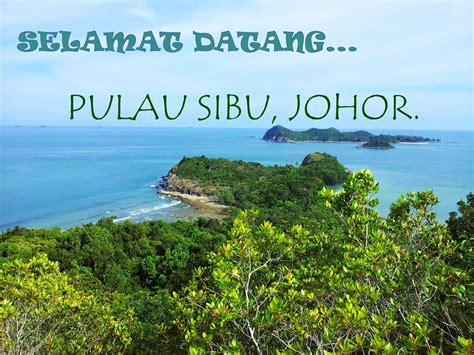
(368, 140)
(376, 143)
(221, 184)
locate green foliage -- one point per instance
(283, 194)
(121, 257)
(372, 284)
(461, 227)
(327, 274)
(461, 223)
(41, 311)
(142, 261)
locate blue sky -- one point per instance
(421, 49)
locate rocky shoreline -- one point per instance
(203, 205)
(192, 193)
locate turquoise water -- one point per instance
(57, 176)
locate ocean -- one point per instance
(67, 176)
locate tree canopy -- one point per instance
(331, 275)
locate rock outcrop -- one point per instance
(311, 158)
(181, 185)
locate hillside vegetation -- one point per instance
(282, 134)
(279, 192)
(376, 143)
(329, 275)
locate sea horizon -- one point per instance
(68, 176)
(298, 128)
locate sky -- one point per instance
(420, 49)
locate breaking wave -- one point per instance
(144, 211)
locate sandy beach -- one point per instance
(203, 205)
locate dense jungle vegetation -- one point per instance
(282, 194)
(283, 134)
(299, 268)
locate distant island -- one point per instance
(368, 140)
(376, 143)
